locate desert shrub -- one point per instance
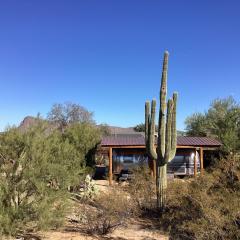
(107, 211)
(207, 207)
(142, 190)
(31, 181)
(37, 167)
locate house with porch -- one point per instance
(126, 150)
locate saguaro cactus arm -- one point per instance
(152, 149)
(174, 128)
(150, 129)
(147, 119)
(168, 132)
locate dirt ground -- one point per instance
(134, 229)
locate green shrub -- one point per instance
(37, 167)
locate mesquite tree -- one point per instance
(167, 134)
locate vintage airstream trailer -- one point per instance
(124, 151)
(181, 165)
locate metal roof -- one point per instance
(123, 140)
(139, 140)
(197, 141)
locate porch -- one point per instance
(125, 150)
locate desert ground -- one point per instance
(134, 229)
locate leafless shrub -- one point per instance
(106, 212)
(142, 190)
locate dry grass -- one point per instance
(141, 189)
(106, 212)
(205, 208)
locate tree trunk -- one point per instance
(161, 185)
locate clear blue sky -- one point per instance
(107, 55)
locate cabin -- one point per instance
(124, 151)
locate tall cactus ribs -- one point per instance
(167, 133)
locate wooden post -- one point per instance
(110, 166)
(195, 163)
(201, 160)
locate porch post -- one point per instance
(110, 166)
(201, 160)
(195, 163)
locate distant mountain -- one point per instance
(31, 121)
(28, 122)
(121, 130)
(130, 130)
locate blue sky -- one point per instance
(107, 56)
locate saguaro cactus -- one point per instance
(167, 134)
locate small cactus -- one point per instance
(167, 134)
(89, 189)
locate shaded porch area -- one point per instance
(123, 151)
(188, 160)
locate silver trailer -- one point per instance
(181, 165)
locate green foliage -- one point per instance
(196, 125)
(206, 207)
(221, 121)
(84, 137)
(37, 167)
(181, 133)
(31, 180)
